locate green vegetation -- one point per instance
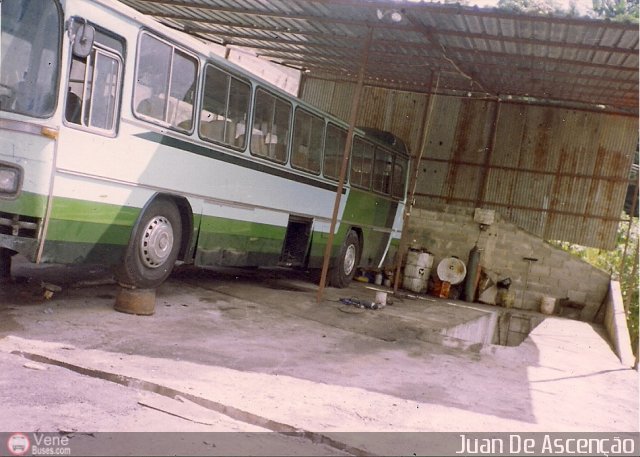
(614, 10)
(531, 6)
(617, 10)
(626, 250)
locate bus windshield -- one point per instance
(30, 56)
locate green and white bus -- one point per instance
(126, 143)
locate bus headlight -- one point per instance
(10, 178)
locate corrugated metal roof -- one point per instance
(575, 61)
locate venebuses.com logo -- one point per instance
(18, 444)
(38, 443)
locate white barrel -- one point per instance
(421, 259)
(417, 271)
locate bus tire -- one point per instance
(346, 263)
(154, 246)
(5, 263)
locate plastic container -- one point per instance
(381, 299)
(547, 305)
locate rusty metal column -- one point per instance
(345, 161)
(414, 181)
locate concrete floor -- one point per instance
(253, 351)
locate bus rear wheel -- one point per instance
(344, 268)
(154, 246)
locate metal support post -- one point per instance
(345, 161)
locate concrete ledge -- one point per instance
(615, 321)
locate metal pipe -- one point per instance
(526, 277)
(623, 261)
(413, 184)
(345, 161)
(519, 207)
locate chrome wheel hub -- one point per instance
(349, 259)
(157, 242)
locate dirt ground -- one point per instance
(245, 353)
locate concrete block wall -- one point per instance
(451, 231)
(615, 322)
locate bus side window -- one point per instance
(335, 141)
(73, 109)
(271, 119)
(165, 83)
(94, 87)
(361, 163)
(308, 132)
(225, 104)
(399, 177)
(382, 171)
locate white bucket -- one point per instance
(547, 305)
(381, 299)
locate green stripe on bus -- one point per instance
(219, 225)
(71, 209)
(85, 221)
(27, 204)
(87, 232)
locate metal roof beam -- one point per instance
(342, 52)
(407, 67)
(509, 66)
(494, 68)
(379, 24)
(534, 42)
(261, 13)
(578, 63)
(330, 41)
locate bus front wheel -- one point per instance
(346, 263)
(153, 247)
(5, 263)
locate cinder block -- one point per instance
(540, 270)
(559, 257)
(538, 287)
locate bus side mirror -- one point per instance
(83, 40)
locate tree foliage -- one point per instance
(530, 6)
(612, 262)
(617, 10)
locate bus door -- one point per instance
(296, 242)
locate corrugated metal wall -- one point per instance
(395, 111)
(560, 174)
